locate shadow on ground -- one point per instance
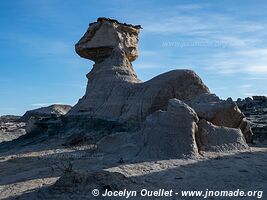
(244, 171)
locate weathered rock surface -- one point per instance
(9, 118)
(221, 113)
(171, 133)
(218, 138)
(164, 134)
(11, 128)
(50, 111)
(174, 133)
(114, 92)
(105, 35)
(102, 180)
(122, 145)
(256, 112)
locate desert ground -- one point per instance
(31, 172)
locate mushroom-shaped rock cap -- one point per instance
(105, 35)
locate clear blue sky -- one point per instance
(223, 41)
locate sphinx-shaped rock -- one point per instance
(164, 111)
(114, 92)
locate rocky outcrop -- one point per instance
(171, 133)
(54, 110)
(114, 92)
(218, 138)
(164, 135)
(256, 112)
(262, 99)
(9, 118)
(174, 133)
(11, 128)
(221, 113)
(122, 145)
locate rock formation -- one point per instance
(171, 133)
(260, 98)
(256, 111)
(164, 134)
(114, 92)
(174, 133)
(9, 118)
(172, 115)
(11, 128)
(166, 127)
(221, 113)
(54, 110)
(218, 138)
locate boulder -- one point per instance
(218, 138)
(164, 135)
(220, 112)
(170, 134)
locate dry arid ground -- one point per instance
(30, 172)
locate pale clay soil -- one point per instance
(29, 169)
